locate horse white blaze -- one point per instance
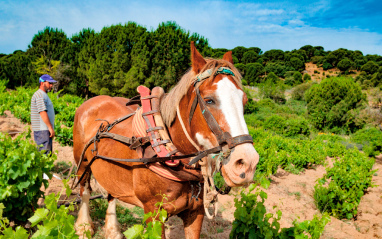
(244, 158)
(231, 105)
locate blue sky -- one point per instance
(272, 24)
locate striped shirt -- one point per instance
(41, 102)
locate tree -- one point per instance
(370, 67)
(309, 50)
(333, 103)
(170, 54)
(253, 72)
(239, 52)
(279, 68)
(249, 57)
(273, 55)
(344, 65)
(16, 68)
(297, 64)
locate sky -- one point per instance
(272, 24)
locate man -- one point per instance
(42, 114)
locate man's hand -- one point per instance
(52, 133)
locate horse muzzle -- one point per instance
(239, 168)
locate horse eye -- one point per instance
(210, 101)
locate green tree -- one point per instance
(333, 104)
(16, 68)
(239, 53)
(297, 64)
(279, 68)
(309, 50)
(370, 67)
(250, 57)
(344, 65)
(170, 54)
(253, 73)
(273, 55)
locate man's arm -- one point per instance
(45, 118)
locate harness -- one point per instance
(164, 149)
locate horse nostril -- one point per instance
(239, 164)
(242, 175)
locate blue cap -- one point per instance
(46, 78)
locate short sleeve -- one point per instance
(40, 104)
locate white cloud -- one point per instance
(226, 24)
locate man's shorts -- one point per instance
(42, 138)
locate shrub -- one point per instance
(21, 176)
(287, 127)
(273, 91)
(327, 66)
(272, 78)
(340, 190)
(299, 91)
(253, 221)
(334, 102)
(306, 78)
(371, 139)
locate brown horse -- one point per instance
(134, 183)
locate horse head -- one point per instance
(211, 113)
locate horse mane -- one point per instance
(171, 100)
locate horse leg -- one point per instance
(112, 228)
(192, 221)
(84, 222)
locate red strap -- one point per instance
(146, 106)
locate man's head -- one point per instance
(46, 82)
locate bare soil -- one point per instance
(292, 194)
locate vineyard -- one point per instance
(340, 170)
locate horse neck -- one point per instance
(178, 136)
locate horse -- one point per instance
(183, 112)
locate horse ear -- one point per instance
(228, 57)
(197, 60)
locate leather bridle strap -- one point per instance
(222, 137)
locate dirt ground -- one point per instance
(292, 194)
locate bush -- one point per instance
(21, 176)
(371, 140)
(273, 91)
(287, 127)
(253, 221)
(306, 78)
(327, 66)
(334, 103)
(299, 91)
(340, 190)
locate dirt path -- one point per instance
(292, 194)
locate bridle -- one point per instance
(223, 138)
